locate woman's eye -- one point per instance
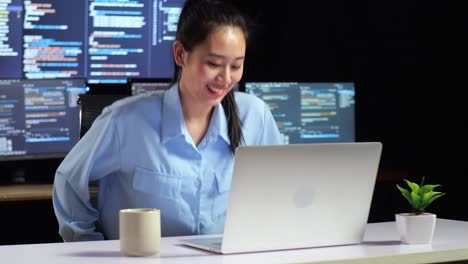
(236, 67)
(212, 64)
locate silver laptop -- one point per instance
(297, 196)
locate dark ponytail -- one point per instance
(197, 20)
(233, 121)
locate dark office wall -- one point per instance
(380, 47)
(28, 222)
(408, 60)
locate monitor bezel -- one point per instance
(131, 81)
(243, 82)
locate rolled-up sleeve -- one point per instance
(95, 156)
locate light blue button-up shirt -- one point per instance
(143, 156)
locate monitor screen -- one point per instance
(148, 85)
(103, 41)
(309, 112)
(38, 118)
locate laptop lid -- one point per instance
(300, 195)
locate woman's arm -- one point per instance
(95, 156)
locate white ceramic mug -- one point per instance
(140, 231)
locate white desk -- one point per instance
(381, 245)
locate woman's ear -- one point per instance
(179, 53)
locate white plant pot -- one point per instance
(416, 229)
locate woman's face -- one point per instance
(213, 67)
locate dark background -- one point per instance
(408, 61)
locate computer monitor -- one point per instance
(308, 112)
(38, 118)
(147, 85)
(102, 41)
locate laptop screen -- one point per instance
(310, 112)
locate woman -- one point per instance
(172, 150)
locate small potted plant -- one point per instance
(417, 227)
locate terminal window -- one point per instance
(39, 117)
(104, 41)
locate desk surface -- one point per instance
(25, 192)
(28, 192)
(381, 245)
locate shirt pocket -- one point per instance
(220, 197)
(156, 183)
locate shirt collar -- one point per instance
(218, 125)
(173, 124)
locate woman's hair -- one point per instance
(197, 20)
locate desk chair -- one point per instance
(91, 106)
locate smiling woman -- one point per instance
(209, 72)
(210, 50)
(174, 149)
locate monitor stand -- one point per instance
(18, 176)
(40, 171)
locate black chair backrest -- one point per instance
(91, 106)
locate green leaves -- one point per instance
(418, 196)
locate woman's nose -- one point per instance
(225, 76)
